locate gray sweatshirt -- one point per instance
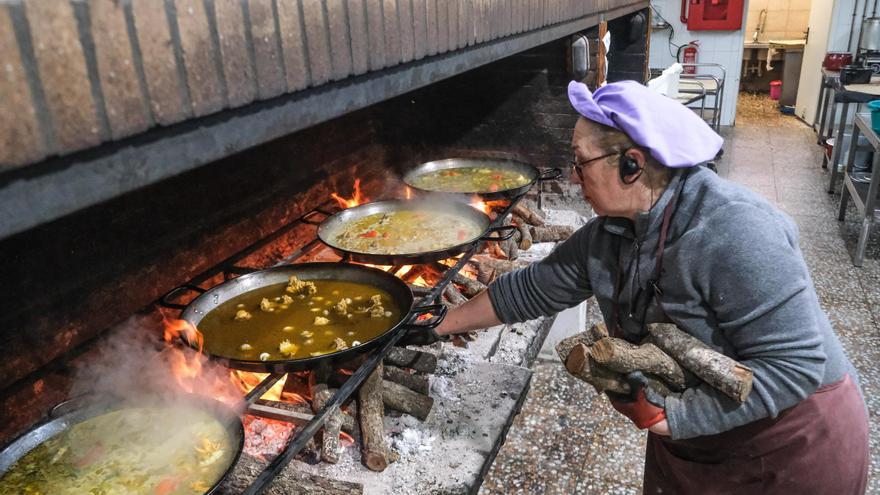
(733, 277)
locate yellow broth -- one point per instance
(138, 450)
(405, 232)
(470, 179)
(298, 320)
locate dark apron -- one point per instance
(817, 447)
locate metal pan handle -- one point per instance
(165, 301)
(552, 174)
(439, 311)
(508, 231)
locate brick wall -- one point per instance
(77, 74)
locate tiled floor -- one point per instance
(568, 440)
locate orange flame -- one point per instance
(480, 205)
(190, 367)
(407, 192)
(355, 200)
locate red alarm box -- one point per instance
(712, 15)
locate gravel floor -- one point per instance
(568, 440)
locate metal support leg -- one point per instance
(838, 147)
(868, 219)
(831, 115)
(850, 159)
(817, 116)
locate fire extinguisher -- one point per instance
(690, 56)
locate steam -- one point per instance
(133, 362)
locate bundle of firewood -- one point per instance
(671, 359)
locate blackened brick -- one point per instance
(267, 54)
(199, 57)
(238, 68)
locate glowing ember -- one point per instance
(403, 270)
(408, 192)
(345, 439)
(355, 200)
(265, 438)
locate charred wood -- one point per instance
(371, 411)
(414, 381)
(408, 358)
(405, 400)
(290, 480)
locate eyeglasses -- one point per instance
(576, 165)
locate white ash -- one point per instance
(412, 441)
(564, 217)
(443, 388)
(453, 360)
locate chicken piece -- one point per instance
(288, 348)
(339, 344)
(242, 315)
(297, 286)
(342, 306)
(267, 305)
(377, 310)
(285, 299)
(321, 321)
(245, 347)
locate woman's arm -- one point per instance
(472, 315)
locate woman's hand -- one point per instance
(661, 428)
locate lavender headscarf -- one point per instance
(674, 134)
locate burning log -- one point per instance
(523, 235)
(371, 411)
(408, 358)
(551, 233)
(730, 377)
(407, 401)
(414, 273)
(621, 356)
(469, 286)
(453, 295)
(414, 381)
(290, 480)
(528, 215)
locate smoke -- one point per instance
(132, 362)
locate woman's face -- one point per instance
(600, 183)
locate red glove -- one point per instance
(642, 406)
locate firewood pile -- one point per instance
(399, 383)
(671, 359)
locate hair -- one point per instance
(656, 175)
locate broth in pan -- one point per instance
(469, 180)
(137, 450)
(300, 319)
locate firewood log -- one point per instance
(454, 296)
(551, 233)
(405, 400)
(523, 235)
(588, 338)
(413, 381)
(489, 268)
(290, 480)
(730, 377)
(468, 286)
(371, 411)
(528, 215)
(424, 362)
(621, 356)
(581, 364)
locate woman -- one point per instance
(674, 242)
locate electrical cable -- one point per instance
(669, 42)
